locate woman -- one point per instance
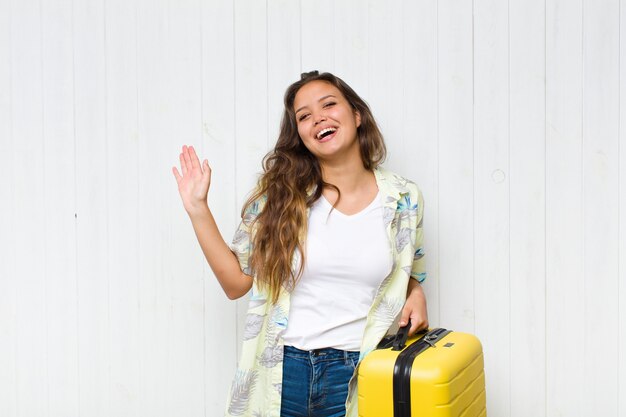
(327, 245)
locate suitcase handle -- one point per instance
(399, 342)
(403, 333)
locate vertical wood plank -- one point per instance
(218, 146)
(30, 269)
(456, 168)
(123, 212)
(565, 297)
(183, 266)
(385, 46)
(92, 204)
(527, 208)
(600, 124)
(8, 282)
(251, 114)
(491, 198)
(283, 59)
(318, 23)
(157, 187)
(621, 279)
(350, 35)
(60, 204)
(419, 129)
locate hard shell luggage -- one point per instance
(434, 374)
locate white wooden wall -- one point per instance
(507, 114)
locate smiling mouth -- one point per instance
(326, 135)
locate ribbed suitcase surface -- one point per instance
(437, 374)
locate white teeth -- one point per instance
(320, 133)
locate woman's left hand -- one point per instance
(414, 308)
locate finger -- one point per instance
(404, 318)
(195, 162)
(176, 174)
(183, 164)
(417, 325)
(187, 158)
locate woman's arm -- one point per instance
(193, 186)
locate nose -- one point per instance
(319, 118)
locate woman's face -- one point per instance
(326, 122)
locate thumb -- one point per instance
(206, 170)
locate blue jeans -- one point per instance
(315, 383)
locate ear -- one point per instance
(357, 118)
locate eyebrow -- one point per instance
(330, 95)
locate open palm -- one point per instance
(193, 184)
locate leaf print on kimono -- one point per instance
(257, 298)
(241, 391)
(279, 318)
(388, 215)
(383, 285)
(279, 387)
(387, 311)
(403, 238)
(405, 204)
(276, 326)
(271, 356)
(400, 183)
(248, 218)
(254, 324)
(240, 237)
(420, 276)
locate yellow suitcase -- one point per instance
(438, 373)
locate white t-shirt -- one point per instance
(347, 258)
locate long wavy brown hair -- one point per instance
(292, 181)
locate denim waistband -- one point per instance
(326, 353)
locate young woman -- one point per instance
(329, 247)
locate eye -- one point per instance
(330, 103)
(304, 116)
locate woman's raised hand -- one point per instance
(193, 185)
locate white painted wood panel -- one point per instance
(156, 190)
(318, 35)
(29, 215)
(122, 182)
(60, 204)
(8, 283)
(218, 147)
(507, 116)
(283, 60)
(527, 173)
(492, 197)
(600, 124)
(350, 40)
(456, 165)
(251, 112)
(565, 297)
(385, 93)
(420, 141)
(92, 207)
(183, 266)
(621, 224)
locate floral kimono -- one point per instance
(256, 389)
